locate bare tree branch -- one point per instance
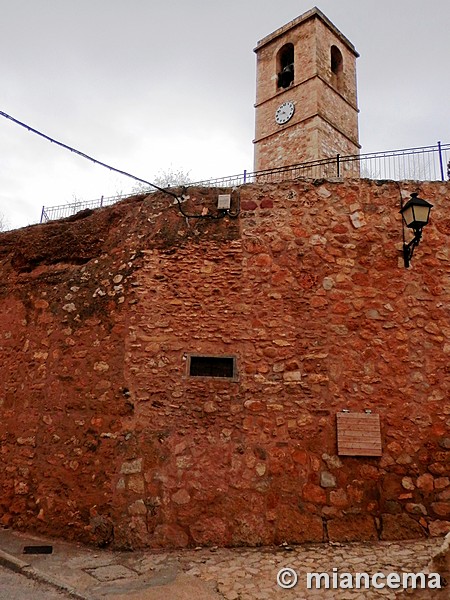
(3, 222)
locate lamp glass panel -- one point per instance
(408, 216)
(421, 214)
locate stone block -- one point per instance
(294, 527)
(327, 480)
(440, 483)
(391, 486)
(352, 528)
(339, 498)
(445, 495)
(210, 531)
(425, 482)
(181, 497)
(169, 536)
(400, 527)
(137, 508)
(315, 494)
(132, 466)
(292, 376)
(408, 483)
(250, 529)
(441, 509)
(438, 528)
(416, 509)
(136, 484)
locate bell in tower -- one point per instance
(286, 66)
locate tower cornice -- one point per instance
(310, 14)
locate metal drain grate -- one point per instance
(38, 549)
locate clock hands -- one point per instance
(284, 112)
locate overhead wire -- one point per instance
(114, 169)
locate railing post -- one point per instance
(338, 165)
(441, 163)
(245, 175)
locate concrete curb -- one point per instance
(24, 568)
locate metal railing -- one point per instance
(50, 213)
(425, 163)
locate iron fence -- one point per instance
(425, 163)
(50, 213)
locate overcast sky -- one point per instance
(149, 85)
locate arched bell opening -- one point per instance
(337, 67)
(285, 66)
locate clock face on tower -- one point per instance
(284, 112)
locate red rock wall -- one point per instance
(106, 439)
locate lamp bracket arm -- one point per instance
(408, 249)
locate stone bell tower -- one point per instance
(306, 104)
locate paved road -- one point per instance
(18, 587)
(212, 573)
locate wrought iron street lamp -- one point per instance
(415, 213)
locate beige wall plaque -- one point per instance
(358, 434)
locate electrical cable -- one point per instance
(82, 154)
(120, 171)
(221, 215)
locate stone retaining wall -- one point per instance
(105, 437)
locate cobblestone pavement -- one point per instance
(219, 574)
(252, 574)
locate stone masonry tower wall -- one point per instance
(310, 64)
(107, 435)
